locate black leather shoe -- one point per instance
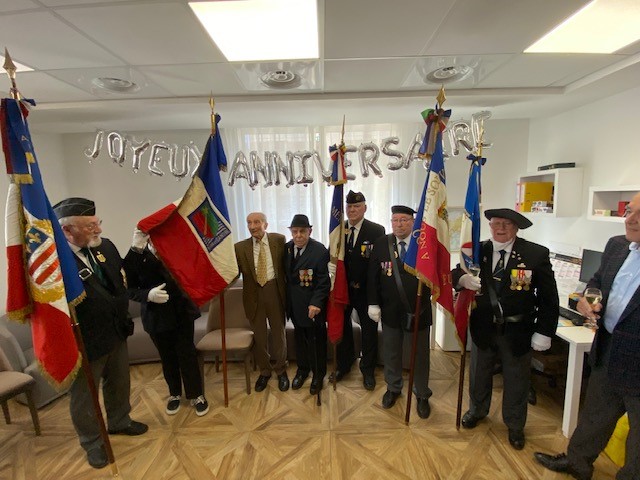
(369, 381)
(316, 385)
(389, 399)
(261, 383)
(339, 374)
(134, 428)
(557, 463)
(283, 382)
(516, 439)
(469, 420)
(423, 407)
(97, 457)
(298, 380)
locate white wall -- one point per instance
(601, 138)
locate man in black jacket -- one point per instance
(308, 285)
(359, 238)
(104, 323)
(392, 294)
(614, 385)
(517, 310)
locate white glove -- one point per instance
(470, 282)
(374, 313)
(332, 269)
(139, 240)
(540, 343)
(158, 294)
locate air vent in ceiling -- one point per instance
(281, 79)
(449, 74)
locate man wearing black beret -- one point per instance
(359, 238)
(517, 310)
(391, 294)
(104, 323)
(308, 285)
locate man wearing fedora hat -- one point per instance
(104, 324)
(308, 286)
(359, 238)
(516, 310)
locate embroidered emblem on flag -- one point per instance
(211, 229)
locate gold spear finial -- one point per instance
(10, 67)
(441, 98)
(342, 132)
(212, 104)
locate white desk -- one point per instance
(580, 340)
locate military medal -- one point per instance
(387, 266)
(101, 257)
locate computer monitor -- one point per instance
(590, 264)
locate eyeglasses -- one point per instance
(90, 227)
(401, 220)
(501, 224)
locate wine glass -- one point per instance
(593, 296)
(474, 269)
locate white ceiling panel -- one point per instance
(375, 75)
(43, 42)
(365, 29)
(147, 34)
(195, 79)
(542, 70)
(16, 5)
(59, 3)
(498, 26)
(41, 87)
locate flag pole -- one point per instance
(463, 349)
(10, 68)
(223, 331)
(414, 348)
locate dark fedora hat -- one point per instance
(520, 220)
(75, 207)
(300, 220)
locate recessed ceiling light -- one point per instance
(449, 74)
(258, 30)
(281, 79)
(115, 85)
(602, 26)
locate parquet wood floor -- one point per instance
(285, 436)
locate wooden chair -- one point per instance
(14, 383)
(239, 335)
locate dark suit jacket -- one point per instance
(314, 261)
(382, 289)
(144, 271)
(247, 266)
(539, 303)
(624, 361)
(357, 262)
(103, 314)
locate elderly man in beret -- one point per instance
(308, 286)
(391, 294)
(104, 324)
(517, 310)
(361, 233)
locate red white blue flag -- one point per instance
(428, 256)
(192, 236)
(469, 246)
(42, 273)
(339, 295)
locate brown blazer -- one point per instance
(246, 264)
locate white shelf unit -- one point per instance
(567, 190)
(607, 198)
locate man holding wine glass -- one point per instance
(516, 310)
(612, 299)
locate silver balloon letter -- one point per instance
(369, 153)
(155, 157)
(116, 145)
(386, 142)
(92, 153)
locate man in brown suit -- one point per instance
(260, 260)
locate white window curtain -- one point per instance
(281, 203)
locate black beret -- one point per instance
(403, 209)
(300, 220)
(355, 197)
(520, 220)
(75, 207)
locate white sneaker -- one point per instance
(173, 405)
(201, 405)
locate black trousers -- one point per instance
(346, 353)
(179, 359)
(602, 408)
(312, 341)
